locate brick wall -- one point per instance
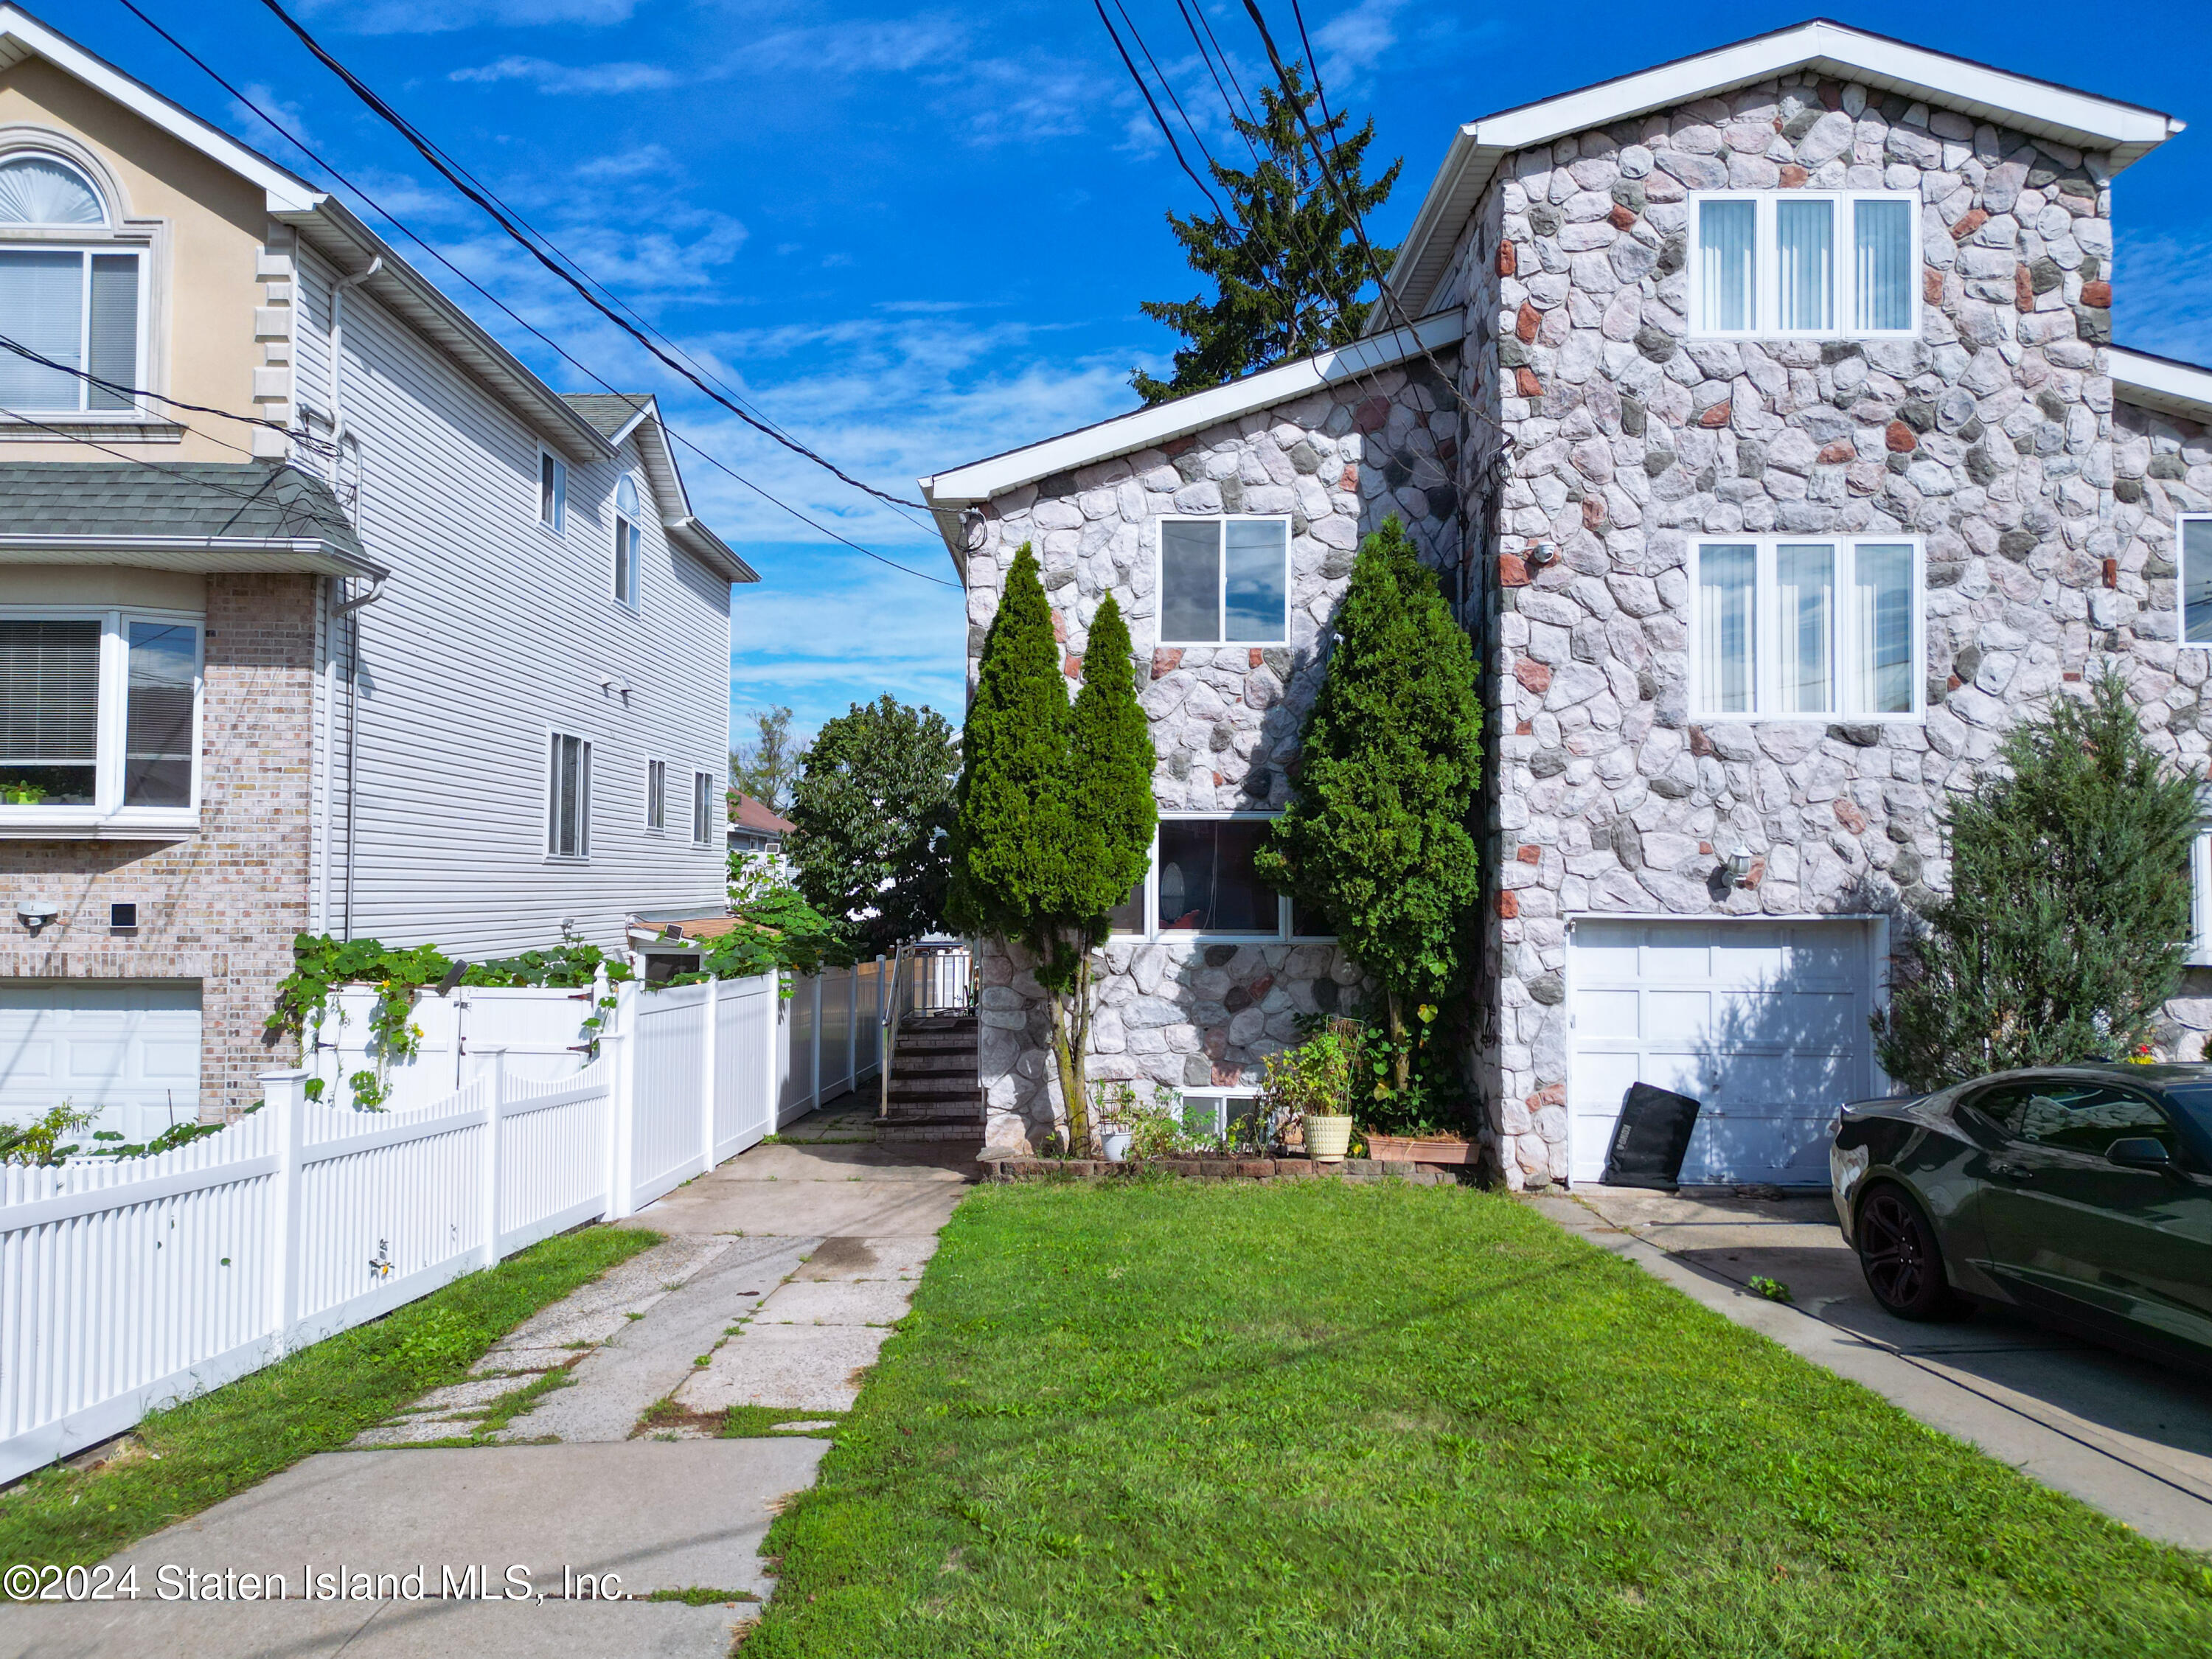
(220, 906)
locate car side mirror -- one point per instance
(2139, 1152)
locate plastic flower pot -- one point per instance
(1117, 1142)
(1328, 1137)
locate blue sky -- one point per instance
(919, 236)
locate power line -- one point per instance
(1168, 87)
(1227, 68)
(1144, 86)
(136, 394)
(455, 175)
(391, 219)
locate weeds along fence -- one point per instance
(128, 1284)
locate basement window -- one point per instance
(1202, 884)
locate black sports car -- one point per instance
(2080, 1193)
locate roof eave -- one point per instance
(2162, 383)
(213, 555)
(711, 549)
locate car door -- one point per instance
(2071, 1230)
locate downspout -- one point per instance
(346, 608)
(337, 347)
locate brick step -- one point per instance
(931, 1100)
(910, 1064)
(910, 1038)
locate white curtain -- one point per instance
(1805, 578)
(1881, 234)
(1883, 573)
(1804, 236)
(42, 309)
(35, 191)
(1726, 576)
(2197, 581)
(1727, 233)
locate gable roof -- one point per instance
(611, 414)
(619, 416)
(2165, 383)
(2042, 109)
(206, 515)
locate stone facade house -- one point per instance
(1760, 415)
(318, 611)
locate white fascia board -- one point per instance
(310, 554)
(2161, 383)
(287, 192)
(2078, 119)
(1147, 428)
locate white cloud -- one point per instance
(2162, 296)
(1353, 42)
(627, 164)
(249, 125)
(571, 80)
(437, 17)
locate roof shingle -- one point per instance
(258, 501)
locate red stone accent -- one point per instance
(1524, 728)
(2071, 678)
(1182, 446)
(1219, 780)
(1373, 414)
(1831, 93)
(1954, 682)
(1530, 854)
(1931, 286)
(1166, 659)
(1705, 848)
(1226, 1076)
(1509, 906)
(1535, 675)
(1718, 416)
(1072, 667)
(1059, 628)
(2112, 572)
(1622, 217)
(1254, 658)
(1700, 744)
(1842, 450)
(1969, 221)
(1508, 260)
(1260, 987)
(1900, 437)
(1593, 511)
(1446, 448)
(2023, 288)
(1349, 479)
(2098, 296)
(1526, 323)
(1526, 383)
(1850, 815)
(1551, 1094)
(1793, 176)
(1512, 570)
(1755, 875)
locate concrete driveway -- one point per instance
(2131, 1438)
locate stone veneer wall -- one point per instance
(1225, 720)
(222, 906)
(1992, 436)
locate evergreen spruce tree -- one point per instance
(1287, 273)
(2062, 935)
(1054, 821)
(1380, 837)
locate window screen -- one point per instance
(1882, 268)
(49, 712)
(702, 807)
(1805, 264)
(569, 806)
(552, 493)
(656, 794)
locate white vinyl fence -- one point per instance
(128, 1284)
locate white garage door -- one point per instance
(1765, 1025)
(128, 1049)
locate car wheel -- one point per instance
(1902, 1261)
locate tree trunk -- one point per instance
(1401, 1055)
(1071, 1037)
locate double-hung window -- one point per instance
(99, 717)
(1804, 262)
(568, 798)
(702, 808)
(656, 794)
(2196, 542)
(1802, 628)
(1203, 881)
(627, 542)
(552, 492)
(71, 294)
(1225, 582)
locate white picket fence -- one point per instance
(128, 1284)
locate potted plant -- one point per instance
(1313, 1084)
(1113, 1108)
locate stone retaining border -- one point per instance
(1007, 1166)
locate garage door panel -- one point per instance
(1609, 1014)
(1676, 1013)
(1606, 952)
(126, 1051)
(1672, 958)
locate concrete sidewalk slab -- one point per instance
(814, 1368)
(804, 1209)
(891, 1256)
(377, 1630)
(835, 1301)
(663, 1516)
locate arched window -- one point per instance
(43, 190)
(626, 541)
(72, 312)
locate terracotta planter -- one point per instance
(1414, 1149)
(1328, 1138)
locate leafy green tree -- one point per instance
(766, 768)
(1288, 271)
(2062, 935)
(1051, 832)
(874, 806)
(1380, 837)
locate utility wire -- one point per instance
(1145, 87)
(504, 217)
(1168, 87)
(136, 394)
(1227, 67)
(428, 247)
(1207, 58)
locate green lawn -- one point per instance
(1192, 1420)
(199, 1453)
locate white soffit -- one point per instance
(1147, 428)
(2041, 109)
(2162, 383)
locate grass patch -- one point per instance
(758, 1422)
(1317, 1419)
(693, 1595)
(198, 1453)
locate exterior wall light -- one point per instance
(35, 913)
(1738, 865)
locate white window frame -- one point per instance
(703, 809)
(13, 240)
(1221, 583)
(1766, 622)
(2181, 523)
(1218, 1095)
(108, 814)
(2199, 954)
(583, 853)
(1766, 265)
(558, 523)
(629, 552)
(1153, 932)
(656, 802)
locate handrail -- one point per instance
(887, 1037)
